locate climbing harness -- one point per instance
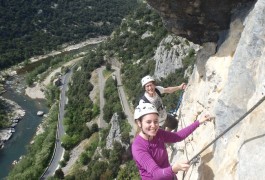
(144, 98)
(196, 157)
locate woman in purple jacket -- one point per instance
(148, 148)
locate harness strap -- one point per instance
(145, 98)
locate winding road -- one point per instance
(124, 102)
(59, 150)
(122, 96)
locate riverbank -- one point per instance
(70, 47)
(37, 90)
(15, 114)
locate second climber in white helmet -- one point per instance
(153, 95)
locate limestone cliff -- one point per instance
(227, 81)
(197, 20)
(114, 134)
(169, 54)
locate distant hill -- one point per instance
(30, 28)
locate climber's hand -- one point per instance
(204, 117)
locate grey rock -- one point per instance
(199, 21)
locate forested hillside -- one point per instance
(32, 27)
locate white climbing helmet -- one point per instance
(146, 80)
(143, 109)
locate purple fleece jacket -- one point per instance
(151, 156)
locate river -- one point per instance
(25, 129)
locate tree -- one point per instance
(86, 133)
(108, 66)
(94, 128)
(107, 175)
(105, 153)
(125, 137)
(84, 159)
(129, 172)
(66, 156)
(59, 174)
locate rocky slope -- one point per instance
(169, 54)
(227, 81)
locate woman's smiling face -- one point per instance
(149, 124)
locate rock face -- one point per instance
(170, 53)
(227, 81)
(15, 113)
(40, 113)
(114, 133)
(197, 20)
